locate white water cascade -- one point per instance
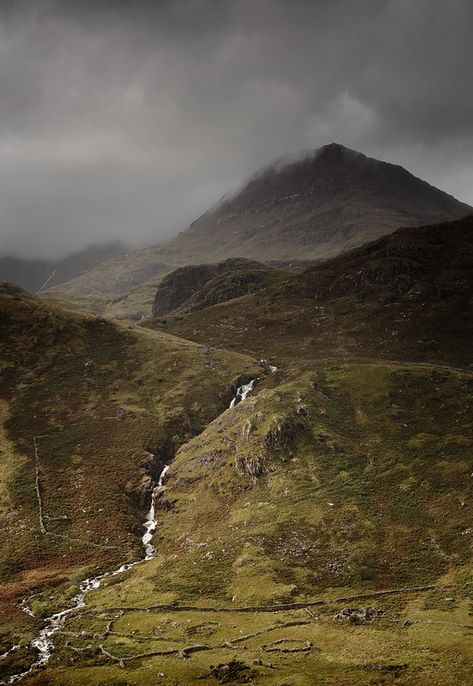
(242, 392)
(44, 643)
(151, 523)
(270, 366)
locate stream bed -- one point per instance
(43, 644)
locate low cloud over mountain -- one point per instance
(126, 120)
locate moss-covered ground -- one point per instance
(348, 480)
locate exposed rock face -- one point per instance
(232, 285)
(141, 490)
(233, 672)
(178, 287)
(252, 466)
(282, 433)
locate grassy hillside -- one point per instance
(347, 486)
(90, 413)
(407, 296)
(319, 532)
(118, 275)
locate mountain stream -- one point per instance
(43, 643)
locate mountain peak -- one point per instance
(339, 152)
(309, 206)
(315, 204)
(331, 151)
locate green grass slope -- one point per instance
(346, 486)
(90, 413)
(320, 532)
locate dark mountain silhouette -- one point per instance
(200, 285)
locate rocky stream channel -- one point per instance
(43, 644)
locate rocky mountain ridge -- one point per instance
(314, 206)
(307, 207)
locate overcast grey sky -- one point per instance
(128, 118)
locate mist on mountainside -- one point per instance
(126, 121)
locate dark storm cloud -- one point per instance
(128, 118)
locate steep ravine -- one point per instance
(43, 644)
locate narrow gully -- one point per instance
(43, 643)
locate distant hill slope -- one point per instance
(35, 274)
(406, 296)
(117, 276)
(316, 206)
(133, 306)
(325, 202)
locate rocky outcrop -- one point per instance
(251, 466)
(363, 615)
(282, 433)
(152, 463)
(234, 672)
(180, 285)
(231, 285)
